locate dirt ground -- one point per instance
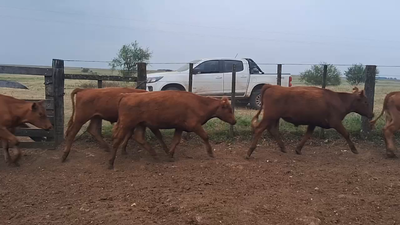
(326, 185)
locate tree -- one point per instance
(313, 75)
(127, 58)
(356, 74)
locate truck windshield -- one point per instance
(186, 66)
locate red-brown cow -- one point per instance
(96, 105)
(15, 112)
(391, 106)
(310, 106)
(182, 111)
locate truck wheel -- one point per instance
(255, 99)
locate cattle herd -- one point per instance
(133, 110)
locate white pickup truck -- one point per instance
(213, 77)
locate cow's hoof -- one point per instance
(63, 158)
(391, 155)
(283, 150)
(106, 149)
(171, 159)
(16, 157)
(110, 167)
(247, 157)
(354, 151)
(298, 152)
(13, 164)
(211, 155)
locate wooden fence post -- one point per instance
(141, 76)
(190, 77)
(233, 92)
(279, 77)
(324, 75)
(49, 95)
(186, 135)
(58, 96)
(100, 85)
(369, 89)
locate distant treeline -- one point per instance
(386, 78)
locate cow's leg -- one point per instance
(175, 141)
(125, 142)
(257, 134)
(4, 144)
(310, 130)
(94, 129)
(388, 131)
(342, 130)
(7, 135)
(76, 126)
(274, 131)
(202, 133)
(125, 145)
(9, 140)
(139, 137)
(119, 137)
(159, 137)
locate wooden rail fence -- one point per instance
(54, 96)
(54, 79)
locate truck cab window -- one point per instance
(228, 64)
(211, 66)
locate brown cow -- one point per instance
(310, 106)
(182, 111)
(391, 105)
(15, 112)
(95, 105)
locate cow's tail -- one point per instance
(116, 127)
(254, 121)
(71, 120)
(385, 101)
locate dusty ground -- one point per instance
(326, 185)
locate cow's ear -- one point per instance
(362, 93)
(355, 89)
(34, 106)
(225, 102)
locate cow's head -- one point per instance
(225, 112)
(37, 116)
(360, 104)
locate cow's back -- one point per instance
(300, 105)
(174, 107)
(101, 102)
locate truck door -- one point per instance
(208, 78)
(241, 77)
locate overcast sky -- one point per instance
(295, 31)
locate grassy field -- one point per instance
(217, 129)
